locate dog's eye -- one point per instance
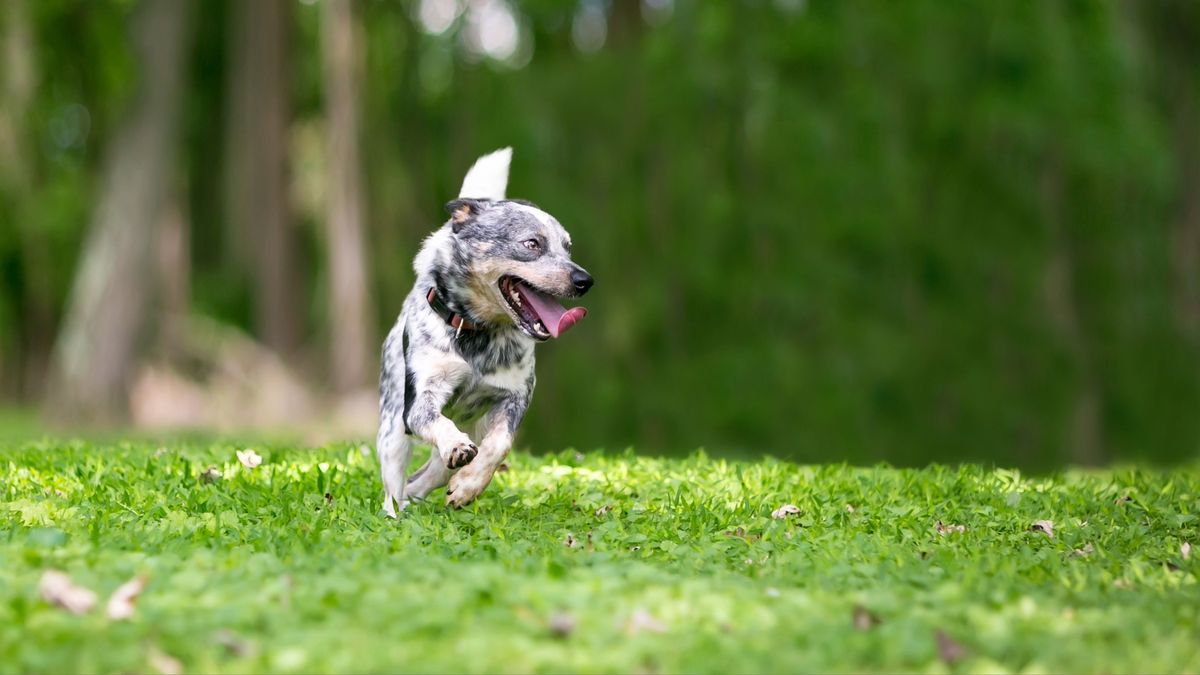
(532, 244)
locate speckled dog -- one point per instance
(462, 350)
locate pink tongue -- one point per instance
(556, 318)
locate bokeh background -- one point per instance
(827, 231)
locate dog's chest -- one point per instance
(480, 391)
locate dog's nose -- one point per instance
(582, 281)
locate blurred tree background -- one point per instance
(823, 230)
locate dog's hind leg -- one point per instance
(395, 450)
(428, 478)
(392, 443)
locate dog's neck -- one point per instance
(459, 293)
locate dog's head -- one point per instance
(514, 259)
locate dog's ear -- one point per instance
(463, 210)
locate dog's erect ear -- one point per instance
(488, 177)
(463, 210)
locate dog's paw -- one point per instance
(392, 508)
(461, 455)
(463, 490)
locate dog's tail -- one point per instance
(488, 177)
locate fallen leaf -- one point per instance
(121, 604)
(1084, 552)
(603, 510)
(210, 475)
(57, 589)
(642, 621)
(740, 533)
(570, 541)
(785, 511)
(943, 529)
(165, 663)
(849, 508)
(1046, 527)
(865, 619)
(949, 650)
(249, 458)
(561, 624)
(1185, 550)
(232, 643)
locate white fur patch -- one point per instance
(510, 379)
(488, 177)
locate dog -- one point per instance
(488, 285)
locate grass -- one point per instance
(593, 564)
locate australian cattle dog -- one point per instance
(488, 287)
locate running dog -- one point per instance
(487, 290)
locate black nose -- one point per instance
(582, 281)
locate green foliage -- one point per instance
(673, 566)
(919, 231)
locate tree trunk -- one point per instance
(106, 312)
(173, 260)
(18, 73)
(260, 233)
(1085, 437)
(351, 310)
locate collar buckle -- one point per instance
(456, 321)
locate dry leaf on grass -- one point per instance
(232, 643)
(603, 510)
(949, 650)
(785, 511)
(249, 458)
(741, 533)
(121, 604)
(57, 589)
(642, 621)
(561, 624)
(944, 529)
(165, 663)
(1046, 527)
(570, 541)
(865, 619)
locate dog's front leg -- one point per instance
(434, 384)
(501, 423)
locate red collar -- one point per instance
(456, 321)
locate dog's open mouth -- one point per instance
(539, 314)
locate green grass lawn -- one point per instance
(594, 564)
